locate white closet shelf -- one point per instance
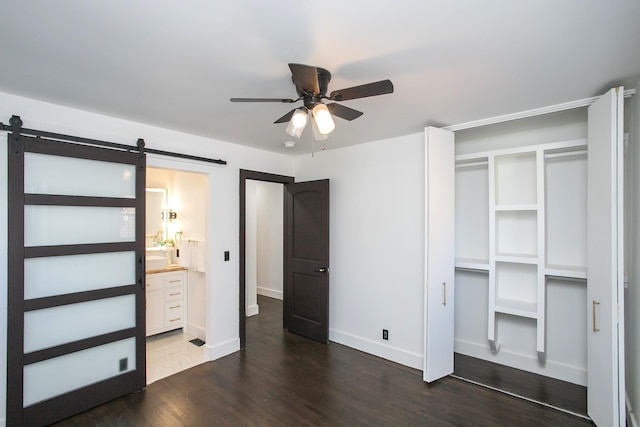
(472, 264)
(516, 308)
(564, 271)
(517, 258)
(518, 207)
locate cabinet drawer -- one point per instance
(172, 294)
(174, 280)
(173, 314)
(154, 282)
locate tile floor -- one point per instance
(170, 353)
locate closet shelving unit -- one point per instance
(519, 222)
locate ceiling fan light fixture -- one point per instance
(297, 123)
(322, 117)
(316, 133)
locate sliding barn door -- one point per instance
(439, 253)
(75, 283)
(605, 292)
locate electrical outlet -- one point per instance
(123, 364)
(385, 334)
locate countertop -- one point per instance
(167, 269)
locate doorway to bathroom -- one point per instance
(176, 252)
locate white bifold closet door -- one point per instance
(605, 269)
(76, 303)
(439, 253)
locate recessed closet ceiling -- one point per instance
(176, 64)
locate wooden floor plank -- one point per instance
(284, 379)
(561, 394)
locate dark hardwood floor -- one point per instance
(550, 391)
(284, 379)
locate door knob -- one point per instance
(322, 270)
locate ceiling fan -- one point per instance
(311, 85)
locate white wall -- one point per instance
(376, 244)
(223, 219)
(270, 212)
(632, 295)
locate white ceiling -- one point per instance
(175, 64)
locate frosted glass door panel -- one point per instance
(472, 212)
(48, 276)
(566, 192)
(515, 177)
(67, 323)
(43, 380)
(45, 174)
(66, 225)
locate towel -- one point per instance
(193, 256)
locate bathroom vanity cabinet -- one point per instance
(166, 301)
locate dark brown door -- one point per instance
(75, 272)
(306, 285)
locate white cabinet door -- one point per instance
(605, 336)
(155, 311)
(439, 252)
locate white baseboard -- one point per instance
(192, 329)
(572, 374)
(252, 310)
(271, 293)
(213, 352)
(631, 417)
(384, 351)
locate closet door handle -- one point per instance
(444, 293)
(593, 306)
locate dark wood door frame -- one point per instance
(256, 176)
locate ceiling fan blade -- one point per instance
(344, 112)
(305, 78)
(363, 91)
(287, 101)
(286, 117)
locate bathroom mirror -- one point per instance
(156, 220)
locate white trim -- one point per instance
(213, 352)
(271, 293)
(196, 331)
(394, 354)
(252, 310)
(631, 417)
(572, 374)
(531, 113)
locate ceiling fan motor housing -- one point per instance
(310, 98)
